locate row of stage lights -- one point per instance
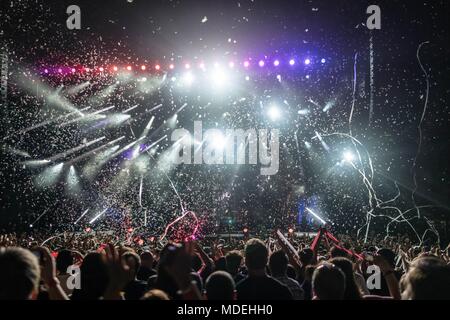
(202, 66)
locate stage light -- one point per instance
(129, 68)
(60, 70)
(219, 78)
(73, 70)
(188, 78)
(73, 184)
(348, 156)
(143, 67)
(144, 79)
(217, 140)
(323, 60)
(261, 63)
(291, 231)
(115, 68)
(187, 66)
(274, 113)
(307, 145)
(231, 64)
(87, 69)
(202, 66)
(247, 78)
(303, 112)
(307, 61)
(276, 63)
(157, 67)
(171, 66)
(279, 77)
(246, 64)
(46, 71)
(316, 216)
(291, 62)
(245, 230)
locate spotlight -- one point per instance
(323, 60)
(348, 156)
(87, 69)
(245, 230)
(247, 78)
(115, 68)
(143, 67)
(187, 66)
(291, 62)
(291, 231)
(188, 78)
(246, 64)
(73, 70)
(171, 66)
(231, 64)
(261, 63)
(274, 113)
(307, 61)
(60, 70)
(219, 78)
(101, 69)
(129, 68)
(46, 71)
(217, 140)
(157, 67)
(202, 66)
(276, 63)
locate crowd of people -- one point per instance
(91, 266)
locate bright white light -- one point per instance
(246, 64)
(307, 145)
(217, 140)
(261, 63)
(276, 63)
(231, 64)
(219, 78)
(303, 112)
(323, 60)
(307, 61)
(72, 181)
(247, 78)
(274, 113)
(291, 62)
(348, 156)
(188, 78)
(316, 216)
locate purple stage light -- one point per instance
(261, 63)
(276, 63)
(307, 61)
(60, 70)
(323, 60)
(45, 70)
(291, 62)
(246, 64)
